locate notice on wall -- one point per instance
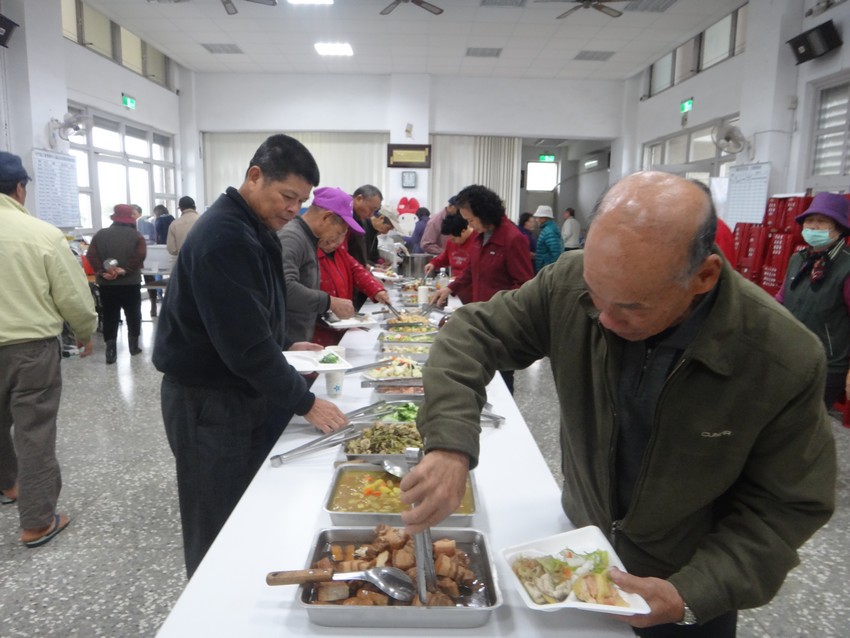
(56, 194)
(746, 198)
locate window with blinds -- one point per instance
(829, 156)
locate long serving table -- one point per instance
(275, 524)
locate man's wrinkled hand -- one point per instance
(662, 597)
(342, 308)
(436, 487)
(326, 417)
(305, 345)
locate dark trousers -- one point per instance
(114, 299)
(834, 390)
(30, 390)
(723, 626)
(219, 440)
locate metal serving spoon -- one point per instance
(390, 580)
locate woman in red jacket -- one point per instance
(457, 252)
(340, 274)
(499, 259)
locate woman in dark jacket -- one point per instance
(817, 286)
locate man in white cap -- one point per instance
(328, 218)
(571, 230)
(549, 244)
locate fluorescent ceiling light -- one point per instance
(333, 48)
(311, 1)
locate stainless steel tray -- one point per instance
(476, 614)
(374, 518)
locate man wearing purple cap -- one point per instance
(328, 218)
(817, 286)
(42, 286)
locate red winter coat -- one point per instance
(502, 264)
(339, 275)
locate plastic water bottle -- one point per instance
(442, 279)
(109, 264)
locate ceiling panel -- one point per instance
(411, 39)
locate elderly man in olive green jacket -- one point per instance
(692, 422)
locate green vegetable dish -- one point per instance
(405, 413)
(329, 358)
(385, 438)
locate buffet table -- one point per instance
(275, 524)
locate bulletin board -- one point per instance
(746, 197)
(55, 183)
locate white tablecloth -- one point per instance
(274, 525)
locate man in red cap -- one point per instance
(43, 286)
(117, 255)
(328, 218)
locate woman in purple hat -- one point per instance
(817, 286)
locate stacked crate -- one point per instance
(763, 250)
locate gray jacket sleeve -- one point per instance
(297, 260)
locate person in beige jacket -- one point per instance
(181, 226)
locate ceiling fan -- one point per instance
(231, 8)
(599, 5)
(419, 3)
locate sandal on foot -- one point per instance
(58, 526)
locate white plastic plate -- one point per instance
(582, 540)
(354, 322)
(308, 361)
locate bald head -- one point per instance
(652, 213)
(648, 254)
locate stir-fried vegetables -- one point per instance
(385, 438)
(398, 368)
(404, 413)
(330, 358)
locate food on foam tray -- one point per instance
(397, 337)
(409, 317)
(368, 490)
(456, 582)
(398, 368)
(385, 438)
(551, 579)
(330, 357)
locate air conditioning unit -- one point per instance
(597, 161)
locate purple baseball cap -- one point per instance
(339, 202)
(829, 205)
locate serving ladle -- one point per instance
(390, 580)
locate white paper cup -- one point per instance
(424, 295)
(333, 383)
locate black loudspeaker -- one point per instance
(815, 42)
(6, 28)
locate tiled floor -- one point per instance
(118, 569)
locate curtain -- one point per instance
(346, 160)
(460, 160)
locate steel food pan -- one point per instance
(364, 518)
(477, 613)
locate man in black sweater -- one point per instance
(219, 341)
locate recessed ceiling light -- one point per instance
(311, 1)
(333, 48)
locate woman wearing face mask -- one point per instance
(817, 286)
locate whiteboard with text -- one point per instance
(56, 192)
(746, 198)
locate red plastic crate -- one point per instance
(774, 215)
(793, 207)
(780, 247)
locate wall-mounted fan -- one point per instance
(419, 3)
(728, 138)
(72, 124)
(232, 10)
(599, 5)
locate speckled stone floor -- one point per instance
(118, 569)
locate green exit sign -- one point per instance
(547, 158)
(687, 105)
(129, 102)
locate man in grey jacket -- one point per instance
(692, 423)
(328, 218)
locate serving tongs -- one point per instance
(426, 576)
(392, 309)
(395, 381)
(369, 366)
(350, 431)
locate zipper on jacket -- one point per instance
(828, 338)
